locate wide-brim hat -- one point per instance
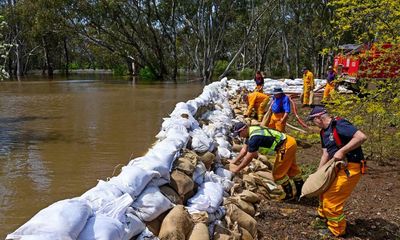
(277, 90)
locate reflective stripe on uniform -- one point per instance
(336, 219)
(282, 180)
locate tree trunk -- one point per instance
(47, 58)
(286, 51)
(66, 57)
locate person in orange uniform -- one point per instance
(308, 86)
(280, 109)
(259, 79)
(258, 101)
(330, 84)
(263, 140)
(340, 141)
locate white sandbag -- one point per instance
(133, 179)
(200, 141)
(151, 163)
(150, 204)
(147, 235)
(225, 183)
(222, 172)
(179, 134)
(208, 197)
(101, 227)
(223, 153)
(198, 174)
(117, 208)
(133, 226)
(222, 142)
(101, 194)
(64, 219)
(161, 135)
(41, 237)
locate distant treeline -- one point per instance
(156, 38)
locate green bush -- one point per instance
(220, 67)
(247, 73)
(73, 66)
(120, 70)
(147, 73)
(280, 71)
(376, 114)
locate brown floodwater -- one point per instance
(57, 138)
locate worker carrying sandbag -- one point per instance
(258, 101)
(280, 108)
(308, 86)
(340, 140)
(264, 140)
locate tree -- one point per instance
(376, 112)
(140, 31)
(366, 21)
(4, 50)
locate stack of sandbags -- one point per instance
(257, 177)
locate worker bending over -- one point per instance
(264, 140)
(257, 101)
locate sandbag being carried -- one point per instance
(318, 182)
(64, 219)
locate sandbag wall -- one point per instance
(180, 189)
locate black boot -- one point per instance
(299, 186)
(287, 187)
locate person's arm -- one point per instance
(285, 117)
(358, 139)
(241, 154)
(324, 158)
(286, 109)
(246, 160)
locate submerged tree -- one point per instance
(4, 51)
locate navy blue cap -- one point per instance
(238, 127)
(316, 111)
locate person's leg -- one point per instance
(261, 110)
(306, 94)
(294, 171)
(334, 198)
(326, 92)
(272, 122)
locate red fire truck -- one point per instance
(369, 61)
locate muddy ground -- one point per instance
(372, 211)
